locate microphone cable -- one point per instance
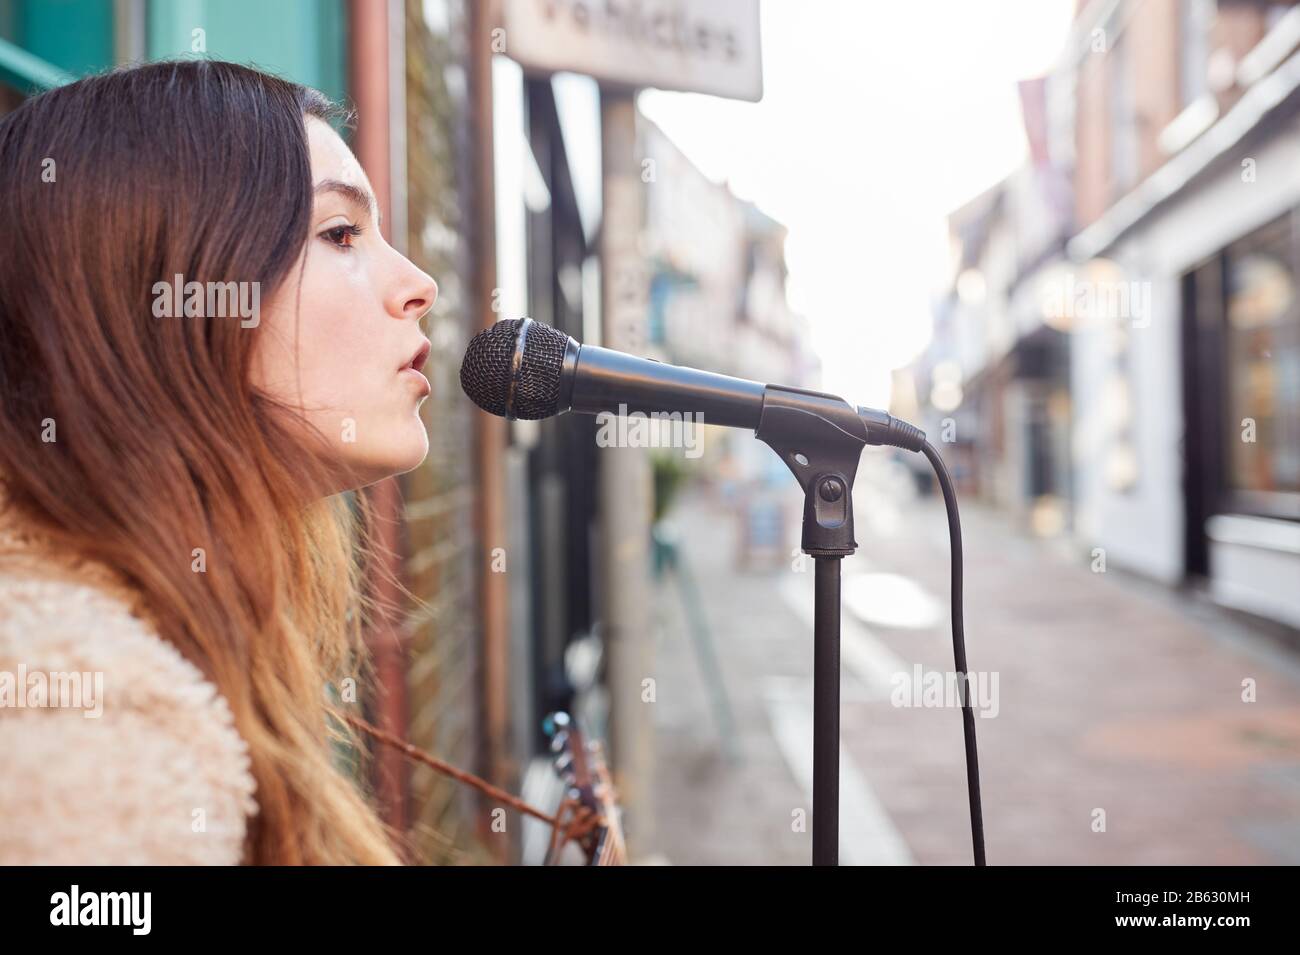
(959, 649)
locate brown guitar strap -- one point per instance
(573, 821)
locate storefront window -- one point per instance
(1262, 339)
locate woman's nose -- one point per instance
(416, 292)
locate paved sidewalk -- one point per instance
(1115, 706)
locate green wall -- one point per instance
(45, 42)
(301, 40)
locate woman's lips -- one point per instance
(420, 357)
(412, 368)
(419, 378)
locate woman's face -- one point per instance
(348, 349)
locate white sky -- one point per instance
(877, 119)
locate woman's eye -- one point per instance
(341, 235)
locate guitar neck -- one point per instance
(612, 849)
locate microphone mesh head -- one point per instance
(486, 372)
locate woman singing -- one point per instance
(204, 340)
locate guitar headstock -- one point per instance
(580, 764)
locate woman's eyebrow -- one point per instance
(361, 198)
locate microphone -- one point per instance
(519, 368)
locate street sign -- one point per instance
(669, 44)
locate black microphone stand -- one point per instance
(820, 438)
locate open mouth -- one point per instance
(418, 359)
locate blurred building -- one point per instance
(718, 282)
(717, 301)
(548, 203)
(1152, 320)
(1196, 207)
(718, 273)
(995, 380)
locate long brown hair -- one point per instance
(162, 446)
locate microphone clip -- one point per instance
(820, 438)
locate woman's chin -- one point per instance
(406, 455)
(394, 458)
(415, 456)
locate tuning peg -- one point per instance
(555, 722)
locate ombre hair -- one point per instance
(163, 447)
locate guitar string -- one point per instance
(585, 821)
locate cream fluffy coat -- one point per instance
(160, 777)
